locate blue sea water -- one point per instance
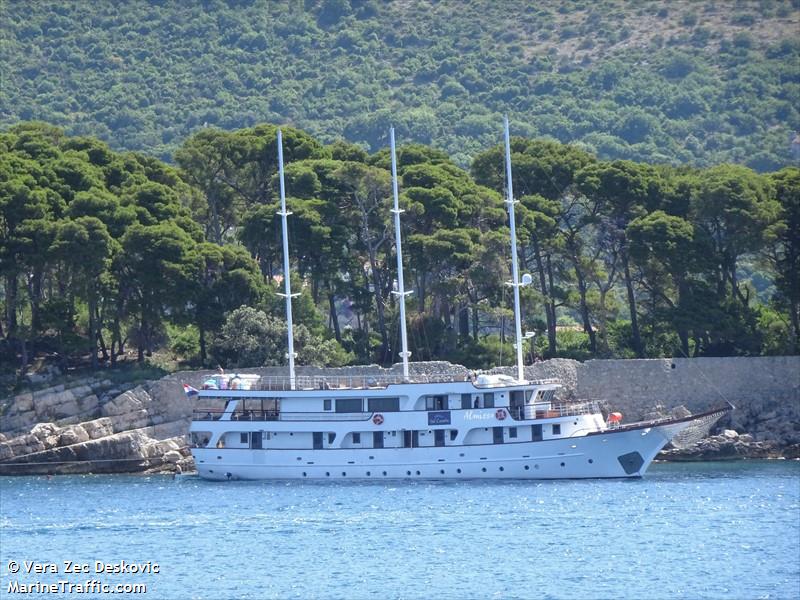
(706, 530)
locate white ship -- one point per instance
(408, 426)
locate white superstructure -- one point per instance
(410, 426)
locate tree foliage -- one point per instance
(103, 251)
(690, 83)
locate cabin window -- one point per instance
(436, 403)
(349, 405)
(557, 429)
(512, 432)
(383, 404)
(488, 400)
(466, 401)
(356, 438)
(331, 437)
(243, 438)
(326, 404)
(453, 434)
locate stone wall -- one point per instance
(764, 390)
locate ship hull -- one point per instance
(622, 453)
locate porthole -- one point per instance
(384, 473)
(408, 472)
(458, 470)
(591, 460)
(483, 469)
(327, 474)
(305, 474)
(417, 472)
(563, 465)
(527, 467)
(535, 466)
(345, 474)
(368, 474)
(442, 471)
(501, 468)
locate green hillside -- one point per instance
(695, 82)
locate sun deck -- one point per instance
(249, 382)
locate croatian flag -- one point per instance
(189, 390)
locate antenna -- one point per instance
(287, 285)
(401, 293)
(514, 267)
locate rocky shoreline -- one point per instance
(92, 426)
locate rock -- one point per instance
(173, 457)
(2, 438)
(655, 415)
(74, 434)
(680, 412)
(22, 403)
(127, 402)
(43, 430)
(6, 451)
(730, 434)
(746, 438)
(99, 428)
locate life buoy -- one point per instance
(500, 414)
(378, 419)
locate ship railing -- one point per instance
(274, 415)
(511, 382)
(366, 382)
(556, 409)
(211, 414)
(348, 382)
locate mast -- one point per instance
(287, 286)
(514, 266)
(401, 292)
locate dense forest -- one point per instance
(697, 83)
(105, 253)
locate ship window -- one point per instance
(453, 434)
(326, 404)
(243, 438)
(317, 440)
(488, 400)
(512, 432)
(383, 404)
(435, 402)
(557, 429)
(356, 438)
(466, 401)
(331, 437)
(438, 437)
(536, 433)
(349, 405)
